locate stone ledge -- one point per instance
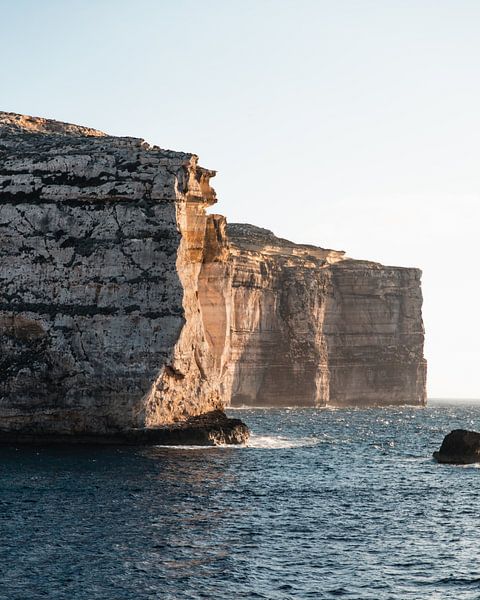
(210, 429)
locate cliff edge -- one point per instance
(102, 243)
(311, 327)
(125, 306)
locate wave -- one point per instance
(268, 442)
(272, 442)
(244, 407)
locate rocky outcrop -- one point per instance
(311, 327)
(460, 447)
(101, 248)
(208, 429)
(125, 307)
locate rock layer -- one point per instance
(124, 306)
(102, 242)
(311, 327)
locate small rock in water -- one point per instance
(460, 447)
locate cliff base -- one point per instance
(210, 429)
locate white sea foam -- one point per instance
(469, 466)
(272, 442)
(171, 447)
(268, 442)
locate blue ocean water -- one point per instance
(323, 504)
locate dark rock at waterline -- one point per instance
(461, 447)
(209, 429)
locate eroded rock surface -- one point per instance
(102, 242)
(124, 306)
(311, 327)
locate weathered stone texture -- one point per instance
(123, 305)
(310, 327)
(374, 333)
(100, 251)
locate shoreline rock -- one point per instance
(209, 429)
(459, 447)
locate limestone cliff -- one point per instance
(310, 327)
(123, 305)
(102, 241)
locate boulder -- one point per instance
(460, 447)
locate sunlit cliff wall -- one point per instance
(102, 241)
(312, 328)
(123, 304)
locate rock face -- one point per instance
(459, 447)
(101, 248)
(125, 307)
(310, 327)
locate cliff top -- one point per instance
(44, 160)
(26, 130)
(52, 160)
(256, 239)
(15, 123)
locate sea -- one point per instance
(320, 504)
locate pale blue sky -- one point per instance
(348, 124)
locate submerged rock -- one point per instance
(459, 447)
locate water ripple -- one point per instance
(320, 504)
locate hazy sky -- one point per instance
(349, 124)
